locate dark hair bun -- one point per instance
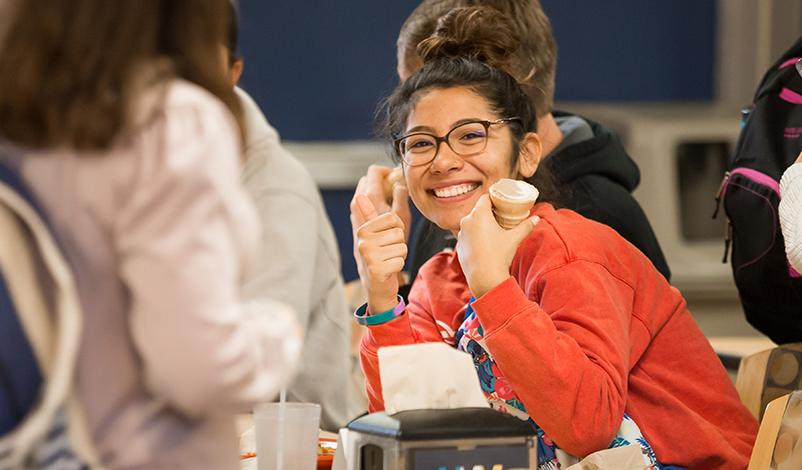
(480, 33)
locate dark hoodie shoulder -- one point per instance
(603, 155)
(598, 176)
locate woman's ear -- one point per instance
(531, 150)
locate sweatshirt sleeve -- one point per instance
(791, 214)
(182, 240)
(283, 194)
(286, 264)
(416, 325)
(566, 357)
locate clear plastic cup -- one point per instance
(300, 429)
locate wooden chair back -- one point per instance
(778, 445)
(767, 375)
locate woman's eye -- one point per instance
(472, 136)
(419, 144)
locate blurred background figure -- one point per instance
(300, 262)
(120, 118)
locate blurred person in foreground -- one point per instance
(121, 120)
(299, 263)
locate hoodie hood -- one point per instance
(602, 155)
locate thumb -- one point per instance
(401, 203)
(522, 230)
(483, 204)
(366, 209)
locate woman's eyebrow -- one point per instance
(464, 121)
(453, 125)
(419, 129)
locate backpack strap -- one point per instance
(781, 73)
(53, 325)
(793, 52)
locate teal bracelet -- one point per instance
(363, 318)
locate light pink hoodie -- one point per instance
(158, 231)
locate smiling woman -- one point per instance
(570, 326)
(445, 181)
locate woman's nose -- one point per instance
(446, 160)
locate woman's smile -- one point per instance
(454, 191)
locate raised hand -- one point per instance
(380, 250)
(485, 249)
(372, 185)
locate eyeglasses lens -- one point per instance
(465, 140)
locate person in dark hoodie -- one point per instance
(595, 174)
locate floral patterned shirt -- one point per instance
(469, 338)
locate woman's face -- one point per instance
(446, 189)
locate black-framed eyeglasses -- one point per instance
(465, 139)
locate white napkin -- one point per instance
(629, 457)
(428, 376)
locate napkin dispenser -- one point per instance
(448, 439)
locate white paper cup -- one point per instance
(301, 429)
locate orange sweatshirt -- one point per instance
(586, 329)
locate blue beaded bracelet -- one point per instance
(363, 318)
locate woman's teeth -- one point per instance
(456, 190)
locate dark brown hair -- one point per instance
(71, 70)
(232, 39)
(534, 62)
(472, 57)
(476, 33)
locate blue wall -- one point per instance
(318, 68)
(628, 50)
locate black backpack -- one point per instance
(770, 140)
